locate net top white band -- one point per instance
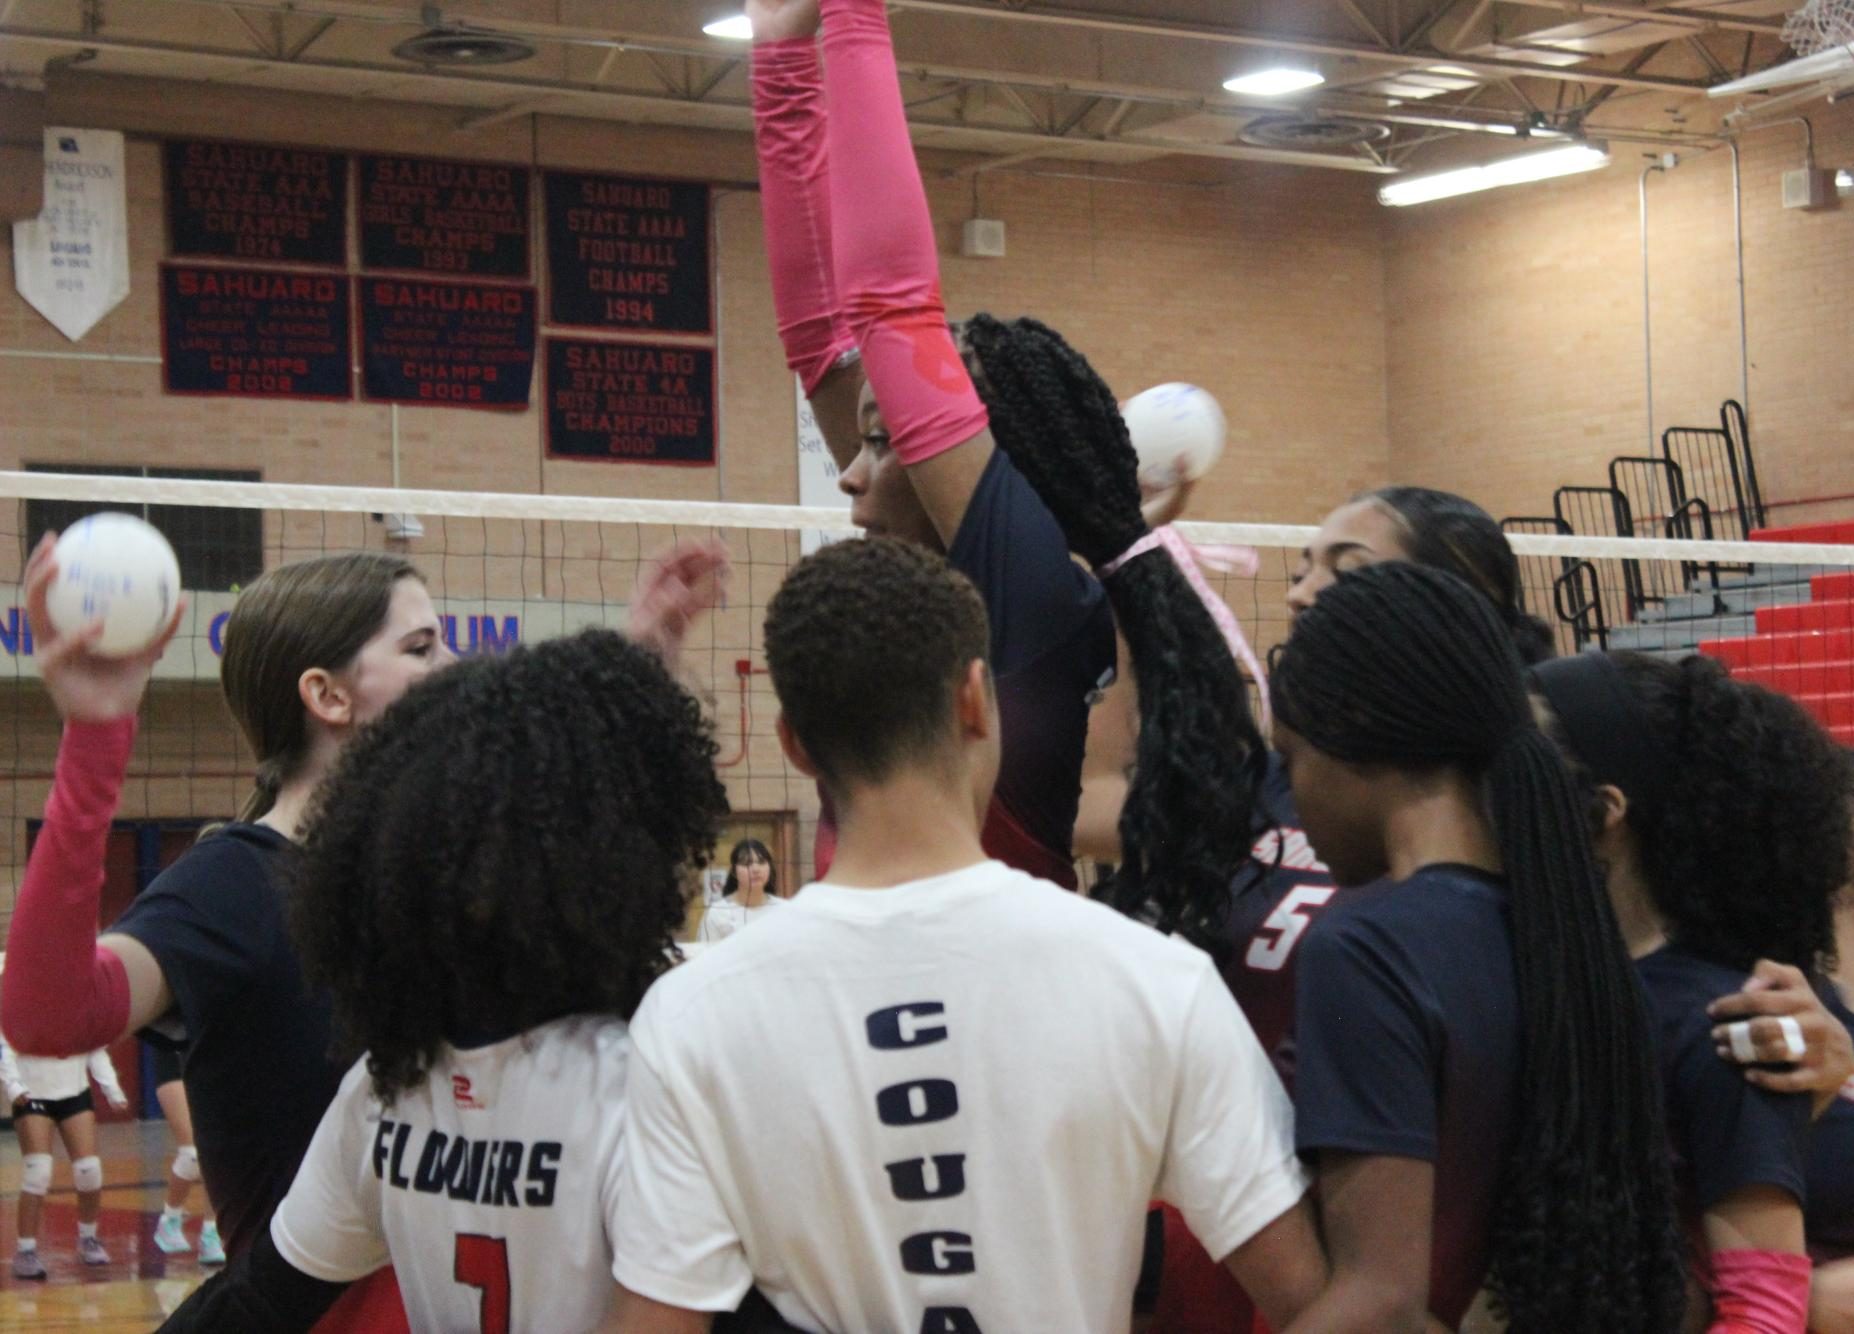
(716, 514)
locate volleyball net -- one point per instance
(508, 569)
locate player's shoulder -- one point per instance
(1679, 985)
(230, 860)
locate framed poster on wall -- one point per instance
(256, 202)
(628, 255)
(461, 219)
(630, 402)
(441, 344)
(255, 333)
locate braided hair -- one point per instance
(1409, 667)
(1743, 829)
(1188, 817)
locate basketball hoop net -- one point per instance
(1819, 25)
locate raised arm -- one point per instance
(888, 271)
(789, 135)
(62, 992)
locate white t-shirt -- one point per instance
(55, 1078)
(489, 1189)
(952, 1117)
(724, 917)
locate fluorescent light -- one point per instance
(1275, 82)
(1538, 166)
(737, 28)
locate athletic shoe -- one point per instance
(90, 1251)
(26, 1264)
(170, 1237)
(211, 1252)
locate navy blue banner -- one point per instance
(628, 254)
(630, 402)
(467, 345)
(256, 202)
(462, 219)
(256, 333)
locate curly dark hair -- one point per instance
(867, 642)
(1410, 667)
(1188, 818)
(1744, 844)
(508, 844)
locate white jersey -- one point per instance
(941, 1106)
(724, 917)
(55, 1078)
(489, 1188)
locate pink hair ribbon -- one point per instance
(1192, 561)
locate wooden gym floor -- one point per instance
(140, 1284)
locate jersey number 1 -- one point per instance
(1290, 921)
(483, 1262)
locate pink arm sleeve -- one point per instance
(789, 134)
(887, 270)
(61, 995)
(1759, 1292)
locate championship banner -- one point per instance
(628, 254)
(256, 333)
(466, 345)
(71, 263)
(464, 219)
(630, 402)
(256, 202)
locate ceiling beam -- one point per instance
(1700, 20)
(1481, 66)
(965, 138)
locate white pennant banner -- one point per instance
(72, 261)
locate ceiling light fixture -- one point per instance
(736, 28)
(1277, 82)
(1539, 166)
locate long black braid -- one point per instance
(1410, 667)
(1187, 819)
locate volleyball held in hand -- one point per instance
(1177, 431)
(118, 570)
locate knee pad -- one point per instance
(87, 1173)
(35, 1174)
(187, 1163)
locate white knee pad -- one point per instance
(87, 1173)
(187, 1163)
(35, 1174)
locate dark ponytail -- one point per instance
(1449, 532)
(1737, 798)
(1410, 667)
(1187, 822)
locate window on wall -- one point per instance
(219, 549)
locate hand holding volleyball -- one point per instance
(1177, 431)
(93, 670)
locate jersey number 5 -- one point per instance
(483, 1262)
(1289, 921)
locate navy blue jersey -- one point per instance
(256, 1040)
(1052, 648)
(1272, 904)
(1407, 1023)
(1830, 1214)
(1728, 1134)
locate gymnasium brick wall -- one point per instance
(1515, 325)
(1270, 293)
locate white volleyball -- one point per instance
(119, 570)
(1177, 431)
